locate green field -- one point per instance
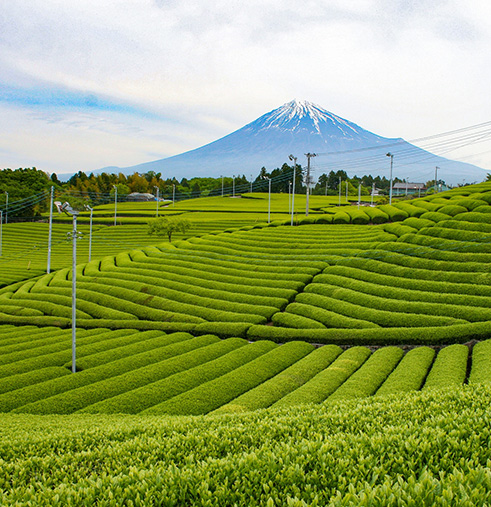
(342, 361)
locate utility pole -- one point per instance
(309, 156)
(6, 207)
(436, 176)
(222, 186)
(294, 159)
(359, 195)
(269, 201)
(390, 182)
(251, 183)
(340, 186)
(157, 209)
(115, 203)
(173, 194)
(50, 233)
(1, 225)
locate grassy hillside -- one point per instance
(428, 448)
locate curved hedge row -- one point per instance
(328, 380)
(449, 369)
(481, 363)
(281, 385)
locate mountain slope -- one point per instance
(299, 127)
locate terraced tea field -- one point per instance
(150, 372)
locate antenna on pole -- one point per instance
(309, 156)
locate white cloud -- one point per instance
(399, 68)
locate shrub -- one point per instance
(377, 216)
(418, 223)
(52, 387)
(359, 217)
(215, 393)
(481, 363)
(366, 380)
(398, 229)
(223, 329)
(434, 216)
(320, 387)
(341, 217)
(290, 379)
(410, 373)
(236, 353)
(395, 214)
(452, 209)
(296, 321)
(326, 317)
(78, 397)
(449, 368)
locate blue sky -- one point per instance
(91, 84)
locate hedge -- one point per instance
(371, 311)
(147, 397)
(359, 217)
(21, 380)
(367, 272)
(215, 393)
(418, 223)
(482, 304)
(410, 373)
(320, 387)
(398, 229)
(381, 298)
(434, 216)
(456, 234)
(326, 317)
(376, 215)
(481, 363)
(458, 333)
(394, 214)
(341, 217)
(143, 341)
(290, 379)
(452, 209)
(472, 216)
(470, 203)
(180, 356)
(368, 378)
(291, 320)
(449, 368)
(410, 209)
(55, 386)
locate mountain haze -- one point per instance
(299, 127)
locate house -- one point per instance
(407, 188)
(138, 196)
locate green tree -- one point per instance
(164, 226)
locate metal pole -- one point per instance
(157, 208)
(1, 225)
(233, 186)
(309, 156)
(74, 294)
(373, 191)
(269, 202)
(390, 182)
(50, 233)
(222, 186)
(347, 190)
(173, 194)
(6, 207)
(436, 176)
(406, 186)
(289, 197)
(251, 183)
(90, 235)
(340, 187)
(293, 186)
(115, 203)
(359, 195)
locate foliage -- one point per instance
(164, 226)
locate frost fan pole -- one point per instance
(50, 233)
(291, 157)
(309, 156)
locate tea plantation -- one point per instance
(201, 379)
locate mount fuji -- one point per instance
(299, 127)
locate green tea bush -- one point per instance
(13, 382)
(452, 209)
(398, 229)
(77, 398)
(366, 380)
(449, 368)
(481, 363)
(410, 209)
(377, 216)
(148, 397)
(472, 216)
(359, 217)
(395, 214)
(223, 329)
(215, 393)
(341, 217)
(325, 317)
(296, 321)
(290, 379)
(470, 204)
(418, 223)
(410, 373)
(55, 386)
(320, 387)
